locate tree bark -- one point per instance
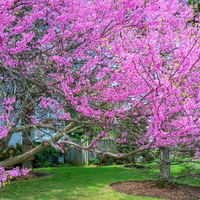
(26, 134)
(26, 148)
(4, 145)
(164, 164)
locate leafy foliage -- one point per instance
(46, 158)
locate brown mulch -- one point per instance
(32, 175)
(152, 189)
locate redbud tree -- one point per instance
(66, 65)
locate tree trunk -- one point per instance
(4, 146)
(26, 148)
(26, 134)
(164, 164)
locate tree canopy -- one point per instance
(66, 65)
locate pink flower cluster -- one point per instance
(6, 175)
(104, 134)
(95, 143)
(123, 140)
(3, 131)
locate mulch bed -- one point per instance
(32, 175)
(152, 189)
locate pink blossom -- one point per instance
(25, 171)
(10, 100)
(3, 131)
(124, 134)
(4, 175)
(9, 108)
(105, 134)
(94, 152)
(34, 120)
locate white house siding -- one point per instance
(16, 138)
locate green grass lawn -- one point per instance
(88, 183)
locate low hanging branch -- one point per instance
(89, 148)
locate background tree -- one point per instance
(67, 60)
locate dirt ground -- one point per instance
(140, 188)
(31, 175)
(152, 189)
